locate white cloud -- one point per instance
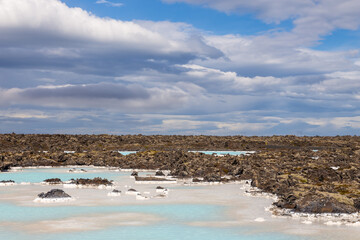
(231, 81)
(333, 122)
(116, 97)
(109, 3)
(23, 114)
(270, 11)
(54, 17)
(320, 16)
(275, 55)
(58, 30)
(165, 77)
(208, 127)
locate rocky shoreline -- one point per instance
(326, 180)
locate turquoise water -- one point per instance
(154, 232)
(126, 152)
(174, 232)
(39, 175)
(172, 213)
(174, 226)
(174, 220)
(233, 153)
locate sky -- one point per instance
(189, 67)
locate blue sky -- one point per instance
(220, 67)
(205, 19)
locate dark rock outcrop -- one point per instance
(77, 170)
(53, 181)
(5, 166)
(357, 204)
(93, 182)
(160, 174)
(154, 179)
(54, 193)
(319, 204)
(7, 181)
(212, 178)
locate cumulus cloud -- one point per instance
(72, 71)
(132, 98)
(276, 56)
(47, 34)
(286, 52)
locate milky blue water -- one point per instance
(126, 152)
(233, 153)
(39, 175)
(164, 231)
(174, 224)
(173, 212)
(168, 231)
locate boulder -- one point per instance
(53, 181)
(94, 182)
(287, 202)
(159, 173)
(7, 181)
(114, 193)
(357, 204)
(319, 204)
(212, 178)
(5, 167)
(54, 193)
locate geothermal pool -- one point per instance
(189, 211)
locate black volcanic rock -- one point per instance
(53, 181)
(212, 178)
(154, 179)
(287, 202)
(94, 182)
(7, 181)
(5, 166)
(320, 204)
(357, 204)
(54, 193)
(160, 174)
